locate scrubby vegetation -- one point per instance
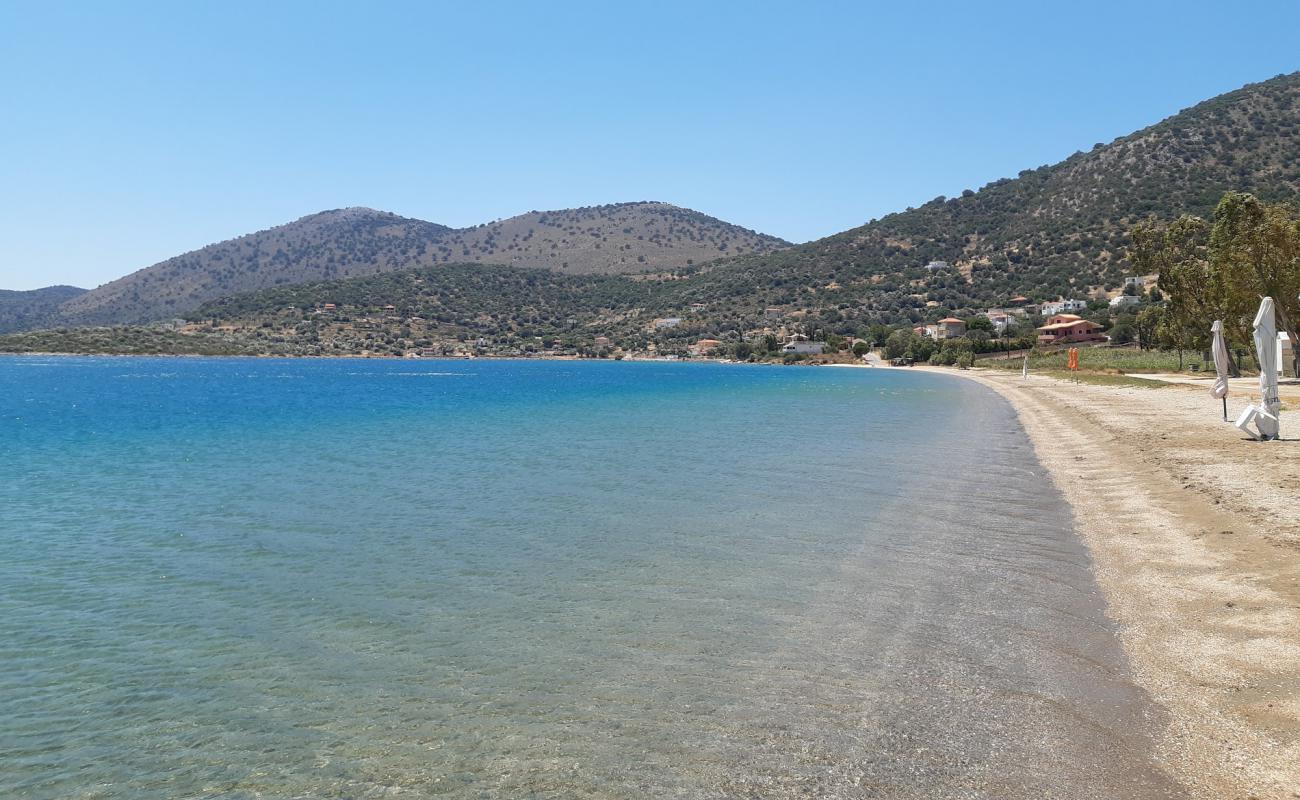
(131, 340)
(332, 245)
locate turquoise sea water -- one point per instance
(314, 578)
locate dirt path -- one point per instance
(1196, 537)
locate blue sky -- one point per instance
(131, 132)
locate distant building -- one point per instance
(935, 266)
(601, 342)
(1019, 300)
(1001, 321)
(1124, 301)
(705, 346)
(667, 322)
(772, 312)
(804, 348)
(950, 328)
(1134, 282)
(1062, 328)
(1063, 306)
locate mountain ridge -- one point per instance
(356, 241)
(1056, 230)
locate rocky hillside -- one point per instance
(628, 237)
(351, 242)
(33, 309)
(1057, 230)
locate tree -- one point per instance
(1177, 252)
(979, 324)
(897, 343)
(1255, 252)
(1221, 271)
(861, 348)
(1145, 326)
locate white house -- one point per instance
(935, 266)
(1001, 321)
(1124, 301)
(805, 348)
(1063, 307)
(667, 322)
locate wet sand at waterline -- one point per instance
(1195, 536)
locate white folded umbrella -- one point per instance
(1266, 349)
(1221, 365)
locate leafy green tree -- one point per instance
(898, 343)
(1255, 252)
(1146, 325)
(1221, 271)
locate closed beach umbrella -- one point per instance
(1220, 350)
(1266, 349)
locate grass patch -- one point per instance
(1106, 359)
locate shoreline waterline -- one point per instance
(1205, 593)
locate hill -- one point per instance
(351, 242)
(1058, 230)
(33, 309)
(1054, 231)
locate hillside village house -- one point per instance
(1061, 328)
(1124, 301)
(1001, 321)
(935, 266)
(804, 348)
(667, 322)
(705, 346)
(950, 328)
(1064, 307)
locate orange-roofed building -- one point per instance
(950, 328)
(1061, 328)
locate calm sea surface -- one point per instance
(313, 578)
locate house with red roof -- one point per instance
(950, 328)
(1061, 328)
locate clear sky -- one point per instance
(131, 132)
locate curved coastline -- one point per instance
(1200, 575)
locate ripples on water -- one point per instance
(541, 580)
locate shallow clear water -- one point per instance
(279, 578)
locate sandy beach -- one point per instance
(1195, 534)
